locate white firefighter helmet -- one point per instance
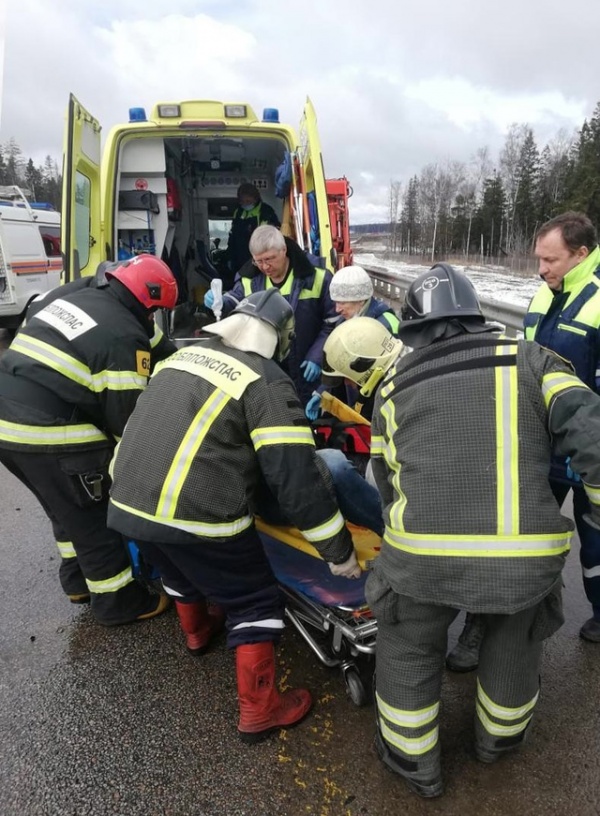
(361, 350)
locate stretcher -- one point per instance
(329, 612)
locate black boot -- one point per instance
(465, 655)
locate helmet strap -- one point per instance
(371, 384)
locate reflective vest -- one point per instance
(568, 322)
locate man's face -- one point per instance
(273, 263)
(348, 309)
(556, 259)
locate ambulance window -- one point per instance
(82, 218)
(51, 239)
(220, 230)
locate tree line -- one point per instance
(493, 209)
(42, 183)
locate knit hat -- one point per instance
(351, 283)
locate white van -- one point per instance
(30, 256)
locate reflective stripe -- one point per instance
(407, 719)
(507, 445)
(172, 592)
(592, 572)
(377, 445)
(391, 457)
(75, 370)
(593, 493)
(222, 529)
(66, 549)
(325, 530)
(156, 337)
(498, 730)
(281, 435)
(479, 546)
(316, 288)
(574, 329)
(553, 384)
(267, 623)
(49, 435)
(415, 746)
(502, 712)
(187, 450)
(113, 584)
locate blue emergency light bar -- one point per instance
(137, 115)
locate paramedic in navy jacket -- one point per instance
(279, 262)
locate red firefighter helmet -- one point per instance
(149, 279)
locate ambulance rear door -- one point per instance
(311, 161)
(81, 238)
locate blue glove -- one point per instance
(312, 371)
(209, 299)
(575, 477)
(313, 407)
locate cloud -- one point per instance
(395, 86)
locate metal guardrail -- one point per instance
(392, 288)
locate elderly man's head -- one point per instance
(269, 252)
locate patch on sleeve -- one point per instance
(142, 360)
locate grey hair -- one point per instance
(265, 238)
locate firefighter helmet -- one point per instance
(441, 293)
(148, 279)
(362, 350)
(272, 308)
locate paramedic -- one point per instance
(250, 213)
(564, 316)
(236, 426)
(352, 292)
(279, 262)
(453, 539)
(68, 383)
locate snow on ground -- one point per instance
(491, 282)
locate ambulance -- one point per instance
(30, 256)
(167, 183)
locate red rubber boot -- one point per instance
(199, 624)
(262, 708)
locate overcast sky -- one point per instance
(396, 84)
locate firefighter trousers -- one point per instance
(73, 490)
(233, 573)
(412, 640)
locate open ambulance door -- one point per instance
(80, 219)
(311, 162)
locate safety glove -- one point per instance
(312, 371)
(349, 569)
(313, 407)
(209, 299)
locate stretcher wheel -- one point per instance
(355, 687)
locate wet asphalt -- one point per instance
(96, 721)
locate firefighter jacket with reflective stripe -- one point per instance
(568, 322)
(73, 373)
(461, 438)
(233, 424)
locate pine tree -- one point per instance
(527, 199)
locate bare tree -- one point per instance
(510, 158)
(394, 206)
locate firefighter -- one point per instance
(278, 262)
(461, 441)
(68, 383)
(187, 492)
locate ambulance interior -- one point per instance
(177, 196)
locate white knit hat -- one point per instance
(350, 284)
